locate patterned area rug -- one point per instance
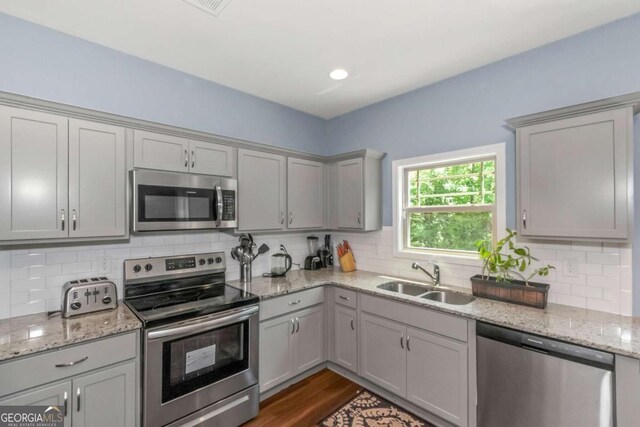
(370, 410)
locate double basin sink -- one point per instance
(430, 293)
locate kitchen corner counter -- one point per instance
(20, 336)
(590, 328)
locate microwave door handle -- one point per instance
(219, 206)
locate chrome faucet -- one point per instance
(436, 272)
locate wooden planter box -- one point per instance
(515, 291)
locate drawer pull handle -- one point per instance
(64, 365)
(295, 302)
(78, 398)
(344, 298)
(65, 403)
(352, 327)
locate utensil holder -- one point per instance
(347, 262)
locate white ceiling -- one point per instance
(283, 50)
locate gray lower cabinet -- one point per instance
(383, 358)
(56, 395)
(345, 337)
(261, 191)
(100, 387)
(305, 194)
(574, 176)
(60, 178)
(105, 398)
(437, 375)
(290, 344)
(627, 391)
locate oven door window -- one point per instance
(190, 363)
(174, 204)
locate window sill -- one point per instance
(438, 257)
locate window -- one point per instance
(447, 202)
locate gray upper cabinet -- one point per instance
(305, 193)
(171, 153)
(354, 195)
(158, 151)
(211, 159)
(350, 194)
(261, 191)
(97, 180)
(33, 175)
(574, 176)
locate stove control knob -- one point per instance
(210, 261)
(201, 261)
(219, 260)
(106, 299)
(76, 305)
(137, 268)
(148, 267)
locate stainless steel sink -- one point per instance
(448, 297)
(404, 288)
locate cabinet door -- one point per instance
(573, 176)
(350, 194)
(383, 358)
(345, 338)
(305, 193)
(163, 152)
(437, 375)
(276, 351)
(309, 339)
(211, 159)
(261, 191)
(106, 398)
(54, 395)
(97, 180)
(33, 175)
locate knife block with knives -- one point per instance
(345, 257)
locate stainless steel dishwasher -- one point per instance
(527, 380)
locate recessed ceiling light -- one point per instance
(339, 74)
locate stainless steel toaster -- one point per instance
(88, 295)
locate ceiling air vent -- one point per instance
(213, 7)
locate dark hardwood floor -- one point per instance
(307, 402)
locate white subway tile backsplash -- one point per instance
(45, 270)
(604, 270)
(25, 260)
(61, 257)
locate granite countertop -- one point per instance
(20, 336)
(596, 329)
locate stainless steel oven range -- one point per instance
(200, 341)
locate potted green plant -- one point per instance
(503, 278)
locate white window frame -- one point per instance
(399, 169)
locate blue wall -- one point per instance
(468, 110)
(43, 63)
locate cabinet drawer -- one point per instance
(291, 302)
(423, 318)
(41, 369)
(345, 297)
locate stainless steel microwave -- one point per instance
(182, 201)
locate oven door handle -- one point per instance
(234, 316)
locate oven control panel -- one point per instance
(156, 267)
